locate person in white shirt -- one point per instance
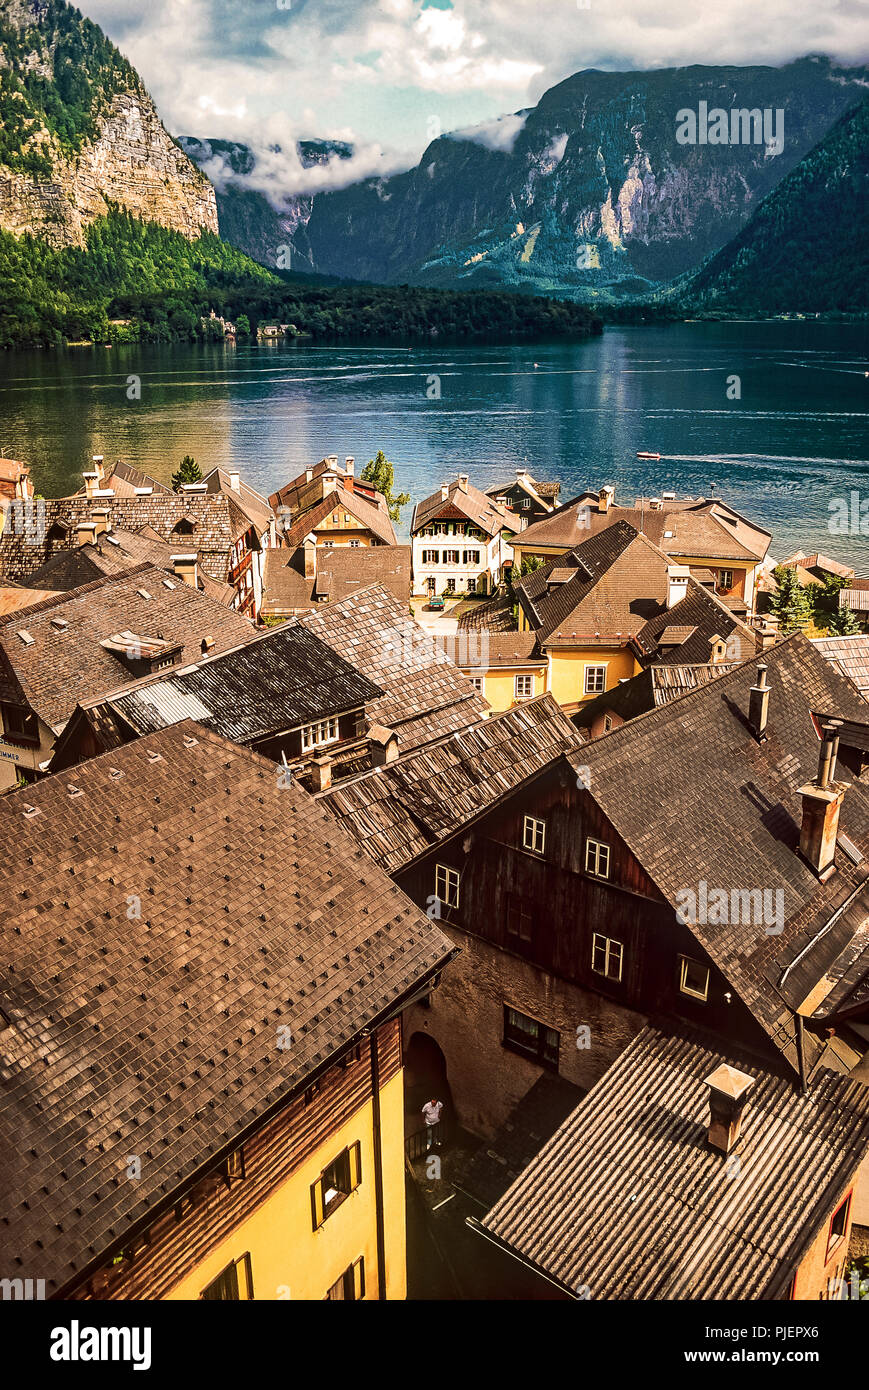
(432, 1114)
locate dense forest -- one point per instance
(139, 282)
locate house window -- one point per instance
(607, 956)
(350, 1285)
(519, 921)
(315, 735)
(472, 586)
(693, 978)
(838, 1226)
(595, 679)
(347, 518)
(523, 687)
(431, 584)
(446, 885)
(450, 586)
(526, 501)
(355, 545)
(607, 723)
(334, 1185)
(725, 579)
(534, 834)
(478, 682)
(470, 557)
(430, 557)
(597, 858)
(530, 1038)
(20, 725)
(451, 557)
(232, 1284)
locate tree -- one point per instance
(827, 614)
(380, 472)
(790, 603)
(188, 472)
(242, 326)
(530, 563)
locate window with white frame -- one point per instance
(470, 557)
(526, 501)
(430, 557)
(478, 682)
(693, 978)
(523, 687)
(607, 956)
(315, 735)
(725, 579)
(595, 680)
(447, 885)
(451, 557)
(534, 834)
(607, 723)
(472, 586)
(597, 858)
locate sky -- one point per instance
(388, 76)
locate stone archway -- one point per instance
(425, 1078)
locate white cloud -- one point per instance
(499, 134)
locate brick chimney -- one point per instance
(728, 1094)
(605, 498)
(758, 704)
(186, 568)
(822, 803)
(383, 745)
(310, 549)
(677, 584)
(321, 773)
(349, 475)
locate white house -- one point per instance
(461, 540)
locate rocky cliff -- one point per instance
(590, 193)
(80, 133)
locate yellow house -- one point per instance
(332, 506)
(720, 547)
(506, 668)
(251, 975)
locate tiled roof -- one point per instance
(12, 469)
(485, 615)
(67, 666)
(818, 561)
(196, 521)
(292, 493)
(123, 479)
(490, 516)
(650, 689)
(629, 1201)
(698, 527)
(399, 811)
(115, 553)
(274, 683)
(374, 519)
(158, 1035)
(341, 570)
(850, 656)
(696, 797)
(486, 650)
(251, 503)
(426, 695)
(695, 620)
(14, 598)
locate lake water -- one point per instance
(795, 439)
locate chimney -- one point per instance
(235, 482)
(97, 461)
(91, 483)
(310, 549)
(822, 803)
(186, 568)
(655, 504)
(758, 704)
(463, 482)
(196, 488)
(273, 532)
(350, 465)
(605, 498)
(332, 460)
(383, 745)
(728, 1094)
(321, 773)
(309, 473)
(677, 584)
(101, 520)
(445, 491)
(86, 532)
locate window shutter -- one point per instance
(359, 1278)
(354, 1154)
(317, 1212)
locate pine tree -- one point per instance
(188, 472)
(790, 603)
(828, 615)
(380, 472)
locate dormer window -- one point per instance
(142, 655)
(20, 725)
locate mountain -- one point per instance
(79, 133)
(245, 216)
(805, 248)
(589, 193)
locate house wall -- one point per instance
(499, 683)
(23, 760)
(743, 574)
(567, 670)
(267, 1213)
(815, 1271)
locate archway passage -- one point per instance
(425, 1078)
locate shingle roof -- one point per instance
(698, 617)
(465, 502)
(13, 598)
(486, 650)
(650, 689)
(850, 656)
(123, 479)
(696, 798)
(114, 553)
(426, 696)
(257, 911)
(276, 682)
(373, 518)
(68, 666)
(251, 503)
(629, 1200)
(341, 570)
(698, 527)
(399, 811)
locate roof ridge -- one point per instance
(65, 595)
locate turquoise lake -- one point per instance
(795, 439)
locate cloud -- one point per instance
(498, 134)
(279, 174)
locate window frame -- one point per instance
(608, 943)
(324, 1202)
(516, 1041)
(834, 1241)
(593, 851)
(535, 825)
(517, 693)
(516, 912)
(446, 873)
(684, 963)
(240, 1279)
(479, 684)
(721, 581)
(596, 668)
(309, 744)
(20, 738)
(352, 1279)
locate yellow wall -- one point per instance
(567, 679)
(498, 684)
(288, 1259)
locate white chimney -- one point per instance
(349, 464)
(186, 568)
(605, 498)
(321, 773)
(463, 482)
(86, 532)
(91, 483)
(445, 492)
(309, 473)
(677, 584)
(235, 482)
